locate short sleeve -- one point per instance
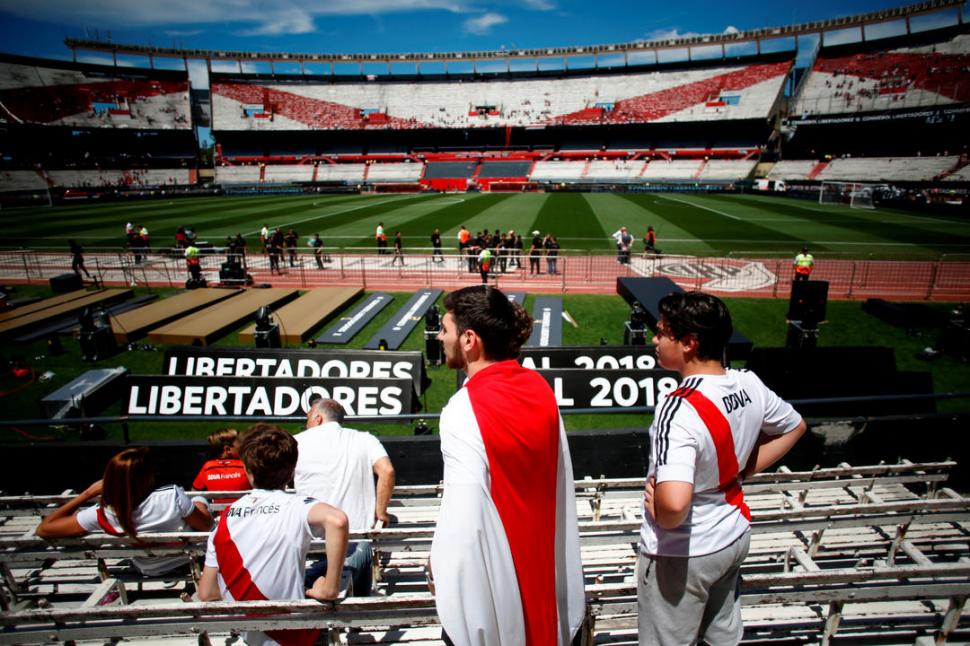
(375, 450)
(676, 446)
(313, 531)
(182, 502)
(210, 549)
(87, 518)
(199, 483)
(780, 416)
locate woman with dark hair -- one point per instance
(130, 504)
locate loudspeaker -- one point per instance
(807, 302)
(65, 283)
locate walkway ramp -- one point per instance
(202, 328)
(64, 310)
(547, 329)
(136, 323)
(305, 314)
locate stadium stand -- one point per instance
(884, 169)
(789, 169)
(237, 175)
(619, 170)
(35, 91)
(119, 178)
(391, 173)
(676, 170)
(882, 548)
(450, 170)
(887, 79)
(557, 171)
(701, 94)
(504, 169)
(22, 180)
(727, 169)
(285, 173)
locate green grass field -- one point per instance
(696, 224)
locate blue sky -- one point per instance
(38, 27)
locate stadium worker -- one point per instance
(650, 242)
(316, 243)
(485, 263)
(804, 263)
(258, 550)
(436, 246)
(381, 238)
(337, 466)
(226, 472)
(535, 253)
(623, 243)
(719, 427)
(505, 556)
(131, 505)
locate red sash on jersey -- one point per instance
(517, 415)
(106, 527)
(241, 586)
(727, 462)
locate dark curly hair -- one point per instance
(502, 325)
(702, 315)
(269, 454)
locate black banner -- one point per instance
(262, 398)
(547, 330)
(609, 388)
(348, 325)
(597, 357)
(297, 363)
(931, 115)
(405, 319)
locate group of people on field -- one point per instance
(505, 563)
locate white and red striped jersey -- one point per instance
(704, 433)
(505, 554)
(260, 547)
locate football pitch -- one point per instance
(686, 223)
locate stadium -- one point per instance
(183, 255)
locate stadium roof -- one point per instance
(756, 36)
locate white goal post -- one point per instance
(856, 195)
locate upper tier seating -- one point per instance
(31, 94)
(557, 171)
(716, 93)
(886, 169)
(350, 173)
(888, 80)
(392, 173)
(962, 175)
(119, 178)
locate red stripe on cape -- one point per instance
(519, 421)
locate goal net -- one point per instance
(856, 195)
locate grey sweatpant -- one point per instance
(685, 600)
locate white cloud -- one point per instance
(675, 33)
(540, 5)
(183, 33)
(480, 25)
(271, 17)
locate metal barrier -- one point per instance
(576, 271)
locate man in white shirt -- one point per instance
(720, 426)
(337, 465)
(623, 242)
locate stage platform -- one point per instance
(300, 317)
(64, 310)
(136, 323)
(202, 328)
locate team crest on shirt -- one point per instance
(714, 274)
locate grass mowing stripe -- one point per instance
(419, 228)
(568, 215)
(719, 233)
(341, 219)
(895, 232)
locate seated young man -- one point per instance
(258, 551)
(720, 426)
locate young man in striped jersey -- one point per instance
(720, 426)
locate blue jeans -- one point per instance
(358, 561)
